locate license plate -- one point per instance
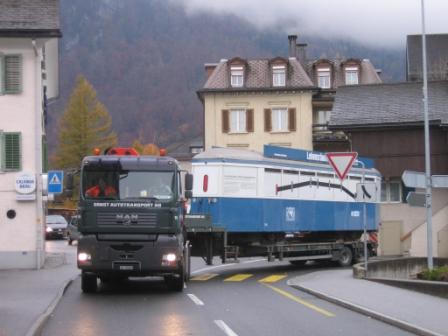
(126, 267)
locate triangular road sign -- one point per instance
(342, 162)
(55, 180)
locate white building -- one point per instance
(29, 32)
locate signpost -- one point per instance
(55, 180)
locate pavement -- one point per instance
(28, 297)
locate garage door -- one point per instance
(389, 240)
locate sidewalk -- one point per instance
(27, 297)
(418, 313)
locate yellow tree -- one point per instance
(84, 125)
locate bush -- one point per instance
(436, 274)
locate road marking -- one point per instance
(301, 301)
(238, 277)
(273, 278)
(227, 265)
(195, 299)
(204, 277)
(224, 327)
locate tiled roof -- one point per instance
(25, 17)
(388, 104)
(436, 56)
(367, 75)
(258, 76)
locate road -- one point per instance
(248, 298)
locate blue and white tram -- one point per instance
(282, 191)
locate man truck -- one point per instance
(133, 224)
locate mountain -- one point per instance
(146, 60)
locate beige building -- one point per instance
(249, 103)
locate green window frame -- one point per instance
(11, 147)
(11, 66)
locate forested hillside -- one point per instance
(145, 59)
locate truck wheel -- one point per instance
(345, 257)
(176, 282)
(88, 282)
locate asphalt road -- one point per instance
(248, 298)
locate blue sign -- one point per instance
(55, 181)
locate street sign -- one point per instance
(413, 179)
(366, 192)
(55, 181)
(416, 199)
(439, 181)
(342, 162)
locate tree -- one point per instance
(84, 125)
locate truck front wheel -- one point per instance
(176, 282)
(88, 282)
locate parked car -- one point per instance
(56, 227)
(72, 230)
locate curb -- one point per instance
(368, 312)
(37, 326)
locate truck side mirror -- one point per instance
(188, 185)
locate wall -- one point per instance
(214, 103)
(20, 246)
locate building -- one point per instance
(385, 122)
(249, 103)
(29, 30)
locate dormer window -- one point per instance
(351, 76)
(279, 75)
(237, 76)
(324, 78)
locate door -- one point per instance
(389, 240)
(442, 243)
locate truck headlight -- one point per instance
(169, 259)
(84, 257)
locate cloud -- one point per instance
(382, 23)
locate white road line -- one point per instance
(226, 265)
(195, 299)
(224, 327)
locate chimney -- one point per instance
(292, 45)
(301, 53)
(209, 68)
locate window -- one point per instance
(11, 159)
(236, 76)
(279, 120)
(10, 74)
(237, 121)
(391, 191)
(323, 78)
(351, 76)
(278, 75)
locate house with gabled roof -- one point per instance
(29, 31)
(252, 102)
(385, 122)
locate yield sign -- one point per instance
(342, 162)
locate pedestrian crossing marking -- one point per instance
(55, 180)
(273, 278)
(204, 277)
(238, 277)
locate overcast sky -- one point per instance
(375, 22)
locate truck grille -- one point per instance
(127, 219)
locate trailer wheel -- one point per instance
(88, 282)
(345, 256)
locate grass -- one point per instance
(436, 274)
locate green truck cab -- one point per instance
(131, 223)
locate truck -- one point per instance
(134, 227)
(282, 204)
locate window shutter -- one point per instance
(292, 119)
(225, 121)
(12, 154)
(13, 73)
(250, 120)
(267, 120)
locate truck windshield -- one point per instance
(127, 185)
